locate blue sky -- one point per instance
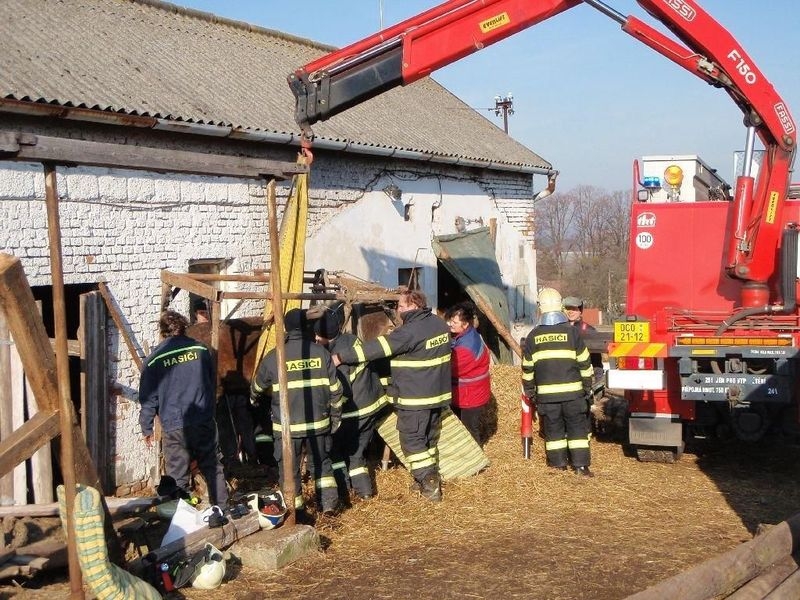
(587, 97)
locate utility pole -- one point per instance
(504, 105)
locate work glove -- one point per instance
(254, 400)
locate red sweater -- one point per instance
(470, 368)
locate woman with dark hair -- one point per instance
(470, 367)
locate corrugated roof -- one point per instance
(144, 57)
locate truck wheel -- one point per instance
(657, 455)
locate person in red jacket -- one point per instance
(470, 367)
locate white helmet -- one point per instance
(270, 506)
(549, 300)
(211, 571)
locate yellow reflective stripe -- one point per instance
(527, 362)
(357, 371)
(335, 387)
(556, 445)
(299, 427)
(550, 354)
(339, 466)
(387, 349)
(359, 353)
(325, 482)
(367, 410)
(358, 471)
(557, 388)
(583, 356)
(588, 371)
(299, 503)
(527, 376)
(578, 444)
(432, 362)
(306, 383)
(386, 380)
(339, 402)
(257, 387)
(424, 401)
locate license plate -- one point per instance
(631, 332)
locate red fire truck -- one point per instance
(710, 341)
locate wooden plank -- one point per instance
(188, 283)
(40, 148)
(38, 359)
(117, 507)
(26, 440)
(758, 587)
(6, 480)
(25, 324)
(18, 387)
(41, 461)
(721, 575)
(220, 537)
(94, 384)
(117, 317)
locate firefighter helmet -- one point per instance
(210, 571)
(549, 300)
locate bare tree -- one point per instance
(582, 244)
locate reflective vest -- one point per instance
(555, 364)
(419, 352)
(314, 391)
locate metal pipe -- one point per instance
(749, 145)
(607, 11)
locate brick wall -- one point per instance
(124, 227)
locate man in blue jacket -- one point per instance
(178, 384)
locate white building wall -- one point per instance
(124, 227)
(368, 236)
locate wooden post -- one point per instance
(123, 331)
(6, 481)
(718, 577)
(62, 372)
(280, 349)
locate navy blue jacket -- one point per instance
(177, 384)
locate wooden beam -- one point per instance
(220, 537)
(18, 146)
(27, 439)
(718, 577)
(190, 284)
(29, 333)
(117, 317)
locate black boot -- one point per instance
(431, 487)
(583, 471)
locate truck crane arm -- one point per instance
(414, 48)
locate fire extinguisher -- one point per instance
(526, 425)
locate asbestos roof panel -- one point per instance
(144, 57)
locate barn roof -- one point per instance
(154, 59)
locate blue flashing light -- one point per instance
(652, 183)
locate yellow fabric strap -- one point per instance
(325, 482)
(578, 444)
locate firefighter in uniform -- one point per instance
(363, 405)
(573, 307)
(557, 378)
(420, 362)
(315, 407)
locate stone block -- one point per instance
(271, 549)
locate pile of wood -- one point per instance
(765, 567)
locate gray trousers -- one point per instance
(198, 442)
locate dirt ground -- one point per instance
(520, 530)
